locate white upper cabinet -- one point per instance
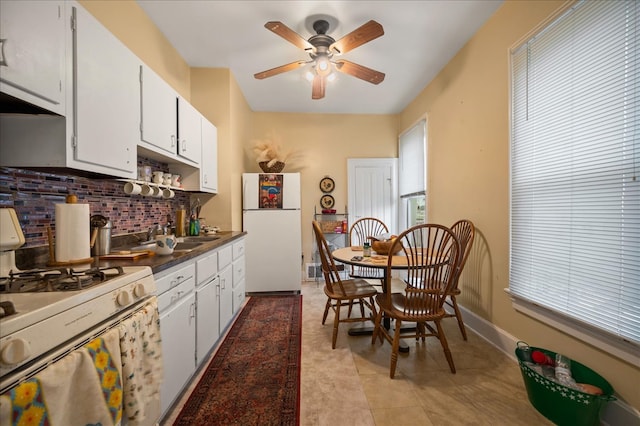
(107, 103)
(159, 125)
(209, 161)
(32, 52)
(100, 127)
(189, 132)
(205, 177)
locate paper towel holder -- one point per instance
(70, 199)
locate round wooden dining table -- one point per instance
(354, 256)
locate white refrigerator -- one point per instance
(271, 218)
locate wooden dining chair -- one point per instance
(431, 255)
(342, 293)
(359, 233)
(465, 231)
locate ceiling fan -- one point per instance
(321, 47)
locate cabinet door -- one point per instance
(107, 98)
(189, 132)
(207, 319)
(159, 112)
(209, 161)
(177, 329)
(32, 49)
(226, 297)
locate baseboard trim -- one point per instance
(615, 413)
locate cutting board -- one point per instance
(134, 255)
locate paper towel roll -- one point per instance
(72, 232)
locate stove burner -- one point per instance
(60, 279)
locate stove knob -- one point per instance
(123, 298)
(15, 351)
(139, 290)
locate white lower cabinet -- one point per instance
(207, 305)
(225, 265)
(196, 300)
(178, 331)
(238, 275)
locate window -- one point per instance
(412, 175)
(575, 158)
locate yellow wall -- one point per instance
(323, 143)
(468, 129)
(215, 93)
(467, 106)
(128, 22)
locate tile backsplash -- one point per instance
(34, 194)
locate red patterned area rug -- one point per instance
(254, 377)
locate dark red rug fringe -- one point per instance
(254, 377)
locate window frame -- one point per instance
(611, 343)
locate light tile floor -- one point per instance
(350, 385)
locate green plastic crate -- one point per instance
(558, 403)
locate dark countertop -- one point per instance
(34, 258)
(160, 263)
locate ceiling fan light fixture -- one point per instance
(309, 75)
(323, 66)
(331, 77)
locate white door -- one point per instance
(373, 189)
(207, 318)
(159, 125)
(32, 62)
(177, 330)
(107, 104)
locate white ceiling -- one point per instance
(420, 37)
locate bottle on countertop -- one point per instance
(181, 218)
(194, 226)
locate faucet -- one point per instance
(153, 231)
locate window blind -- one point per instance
(575, 161)
(412, 160)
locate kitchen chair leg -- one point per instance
(376, 328)
(394, 350)
(326, 310)
(445, 346)
(454, 304)
(336, 322)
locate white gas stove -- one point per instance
(43, 311)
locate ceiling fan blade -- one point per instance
(361, 35)
(317, 92)
(288, 34)
(359, 71)
(279, 70)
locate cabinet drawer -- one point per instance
(225, 256)
(238, 296)
(174, 277)
(173, 295)
(206, 267)
(238, 249)
(238, 272)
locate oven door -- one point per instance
(93, 374)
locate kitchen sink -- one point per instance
(147, 245)
(187, 246)
(200, 239)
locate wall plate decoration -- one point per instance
(327, 184)
(327, 201)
